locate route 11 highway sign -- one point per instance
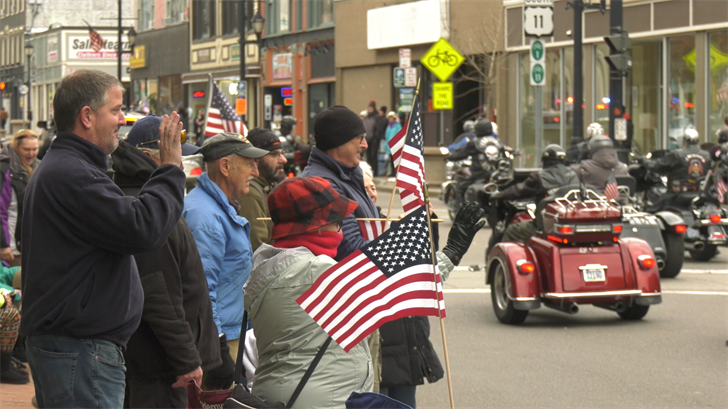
(538, 18)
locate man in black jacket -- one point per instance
(177, 338)
(539, 185)
(82, 294)
(475, 148)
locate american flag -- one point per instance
(396, 144)
(221, 115)
(96, 41)
(410, 163)
(389, 278)
(720, 187)
(611, 191)
(371, 229)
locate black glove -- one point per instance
(463, 230)
(221, 377)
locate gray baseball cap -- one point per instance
(225, 144)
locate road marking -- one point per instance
(678, 292)
(685, 271)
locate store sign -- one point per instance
(442, 95)
(406, 99)
(538, 63)
(79, 47)
(282, 67)
(198, 94)
(235, 52)
(398, 77)
(52, 47)
(410, 77)
(268, 107)
(138, 58)
(538, 18)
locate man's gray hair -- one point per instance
(82, 88)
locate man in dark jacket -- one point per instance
(685, 168)
(539, 185)
(340, 140)
(604, 162)
(177, 338)
(475, 149)
(82, 296)
(370, 126)
(380, 130)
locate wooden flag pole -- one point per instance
(439, 311)
(406, 132)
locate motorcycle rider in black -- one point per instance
(475, 149)
(539, 185)
(604, 162)
(685, 168)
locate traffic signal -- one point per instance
(2, 86)
(619, 58)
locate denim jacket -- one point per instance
(223, 240)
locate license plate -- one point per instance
(592, 275)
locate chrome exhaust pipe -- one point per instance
(697, 246)
(619, 306)
(660, 263)
(570, 308)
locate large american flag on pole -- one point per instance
(410, 162)
(389, 278)
(221, 115)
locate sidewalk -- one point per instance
(16, 396)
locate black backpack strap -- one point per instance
(240, 377)
(308, 373)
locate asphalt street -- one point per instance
(675, 357)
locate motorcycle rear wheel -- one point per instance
(502, 305)
(708, 252)
(675, 249)
(634, 312)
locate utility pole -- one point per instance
(578, 133)
(118, 46)
(242, 85)
(620, 64)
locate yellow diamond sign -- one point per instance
(442, 59)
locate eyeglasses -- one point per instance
(338, 226)
(182, 139)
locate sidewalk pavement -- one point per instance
(16, 396)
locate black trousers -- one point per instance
(373, 155)
(154, 394)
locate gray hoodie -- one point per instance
(595, 171)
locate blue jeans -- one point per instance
(403, 393)
(76, 373)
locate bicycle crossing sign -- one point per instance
(442, 59)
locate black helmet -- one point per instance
(553, 152)
(599, 142)
(483, 128)
(287, 123)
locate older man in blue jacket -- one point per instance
(340, 140)
(223, 239)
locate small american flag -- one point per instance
(96, 41)
(396, 144)
(371, 229)
(411, 163)
(720, 187)
(221, 115)
(611, 191)
(389, 278)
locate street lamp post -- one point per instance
(119, 50)
(29, 55)
(257, 23)
(242, 27)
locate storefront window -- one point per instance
(146, 15)
(527, 101)
(681, 89)
(600, 107)
(203, 20)
(321, 13)
(644, 96)
(567, 100)
(551, 97)
(320, 97)
(718, 93)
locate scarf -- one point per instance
(319, 243)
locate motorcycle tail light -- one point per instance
(646, 262)
(525, 267)
(715, 218)
(557, 239)
(290, 174)
(564, 229)
(680, 228)
(717, 236)
(196, 172)
(617, 228)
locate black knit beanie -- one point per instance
(336, 126)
